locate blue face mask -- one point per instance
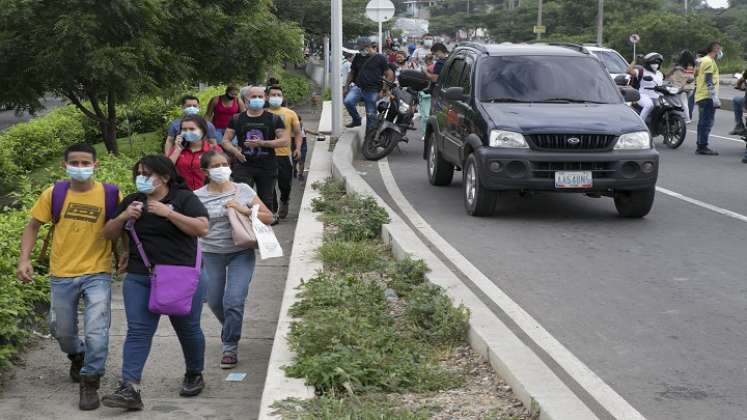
(256, 104)
(79, 173)
(192, 136)
(191, 110)
(276, 101)
(144, 184)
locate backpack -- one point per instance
(59, 193)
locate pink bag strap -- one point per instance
(130, 226)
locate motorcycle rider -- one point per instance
(651, 65)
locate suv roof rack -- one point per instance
(570, 45)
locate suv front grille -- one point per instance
(548, 169)
(571, 142)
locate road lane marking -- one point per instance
(720, 137)
(711, 207)
(585, 377)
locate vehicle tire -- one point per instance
(634, 204)
(440, 172)
(478, 200)
(674, 131)
(376, 147)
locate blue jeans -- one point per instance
(227, 277)
(96, 291)
(219, 132)
(738, 105)
(369, 97)
(706, 116)
(142, 324)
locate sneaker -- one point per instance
(275, 220)
(738, 130)
(192, 385)
(353, 124)
(706, 151)
(126, 396)
(229, 360)
(744, 160)
(89, 395)
(76, 364)
(283, 210)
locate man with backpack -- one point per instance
(80, 265)
(367, 70)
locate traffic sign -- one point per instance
(539, 29)
(380, 10)
(634, 38)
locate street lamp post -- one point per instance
(336, 82)
(600, 23)
(539, 18)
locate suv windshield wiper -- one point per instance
(506, 99)
(569, 100)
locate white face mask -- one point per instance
(654, 67)
(220, 174)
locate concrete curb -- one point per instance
(532, 380)
(303, 265)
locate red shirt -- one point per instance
(188, 165)
(223, 114)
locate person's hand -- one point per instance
(133, 211)
(158, 208)
(240, 157)
(296, 154)
(716, 102)
(254, 143)
(25, 271)
(124, 259)
(179, 142)
(233, 204)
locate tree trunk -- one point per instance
(109, 129)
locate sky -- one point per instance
(718, 3)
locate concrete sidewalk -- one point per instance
(42, 389)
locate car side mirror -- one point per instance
(621, 80)
(630, 94)
(455, 93)
(648, 78)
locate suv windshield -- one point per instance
(612, 60)
(546, 79)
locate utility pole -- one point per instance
(685, 6)
(600, 23)
(539, 18)
(336, 63)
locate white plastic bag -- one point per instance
(269, 247)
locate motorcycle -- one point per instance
(395, 115)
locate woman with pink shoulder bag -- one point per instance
(228, 248)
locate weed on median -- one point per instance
(370, 331)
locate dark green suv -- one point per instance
(518, 117)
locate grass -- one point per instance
(376, 407)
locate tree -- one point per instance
(98, 54)
(315, 18)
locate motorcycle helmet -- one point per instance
(653, 61)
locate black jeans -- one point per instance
(285, 178)
(261, 178)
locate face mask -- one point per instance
(144, 184)
(192, 136)
(428, 43)
(276, 101)
(79, 173)
(220, 175)
(191, 110)
(256, 104)
(654, 67)
(720, 55)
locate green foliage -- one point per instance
(406, 274)
(296, 88)
(351, 256)
(314, 16)
(373, 407)
(349, 216)
(433, 317)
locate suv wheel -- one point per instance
(478, 200)
(634, 204)
(440, 172)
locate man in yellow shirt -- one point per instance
(285, 166)
(80, 265)
(706, 96)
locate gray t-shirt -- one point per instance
(219, 239)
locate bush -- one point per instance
(295, 88)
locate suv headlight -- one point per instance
(634, 141)
(507, 139)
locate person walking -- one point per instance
(367, 71)
(706, 96)
(283, 154)
(191, 143)
(227, 268)
(167, 218)
(80, 266)
(259, 133)
(682, 76)
(222, 108)
(190, 106)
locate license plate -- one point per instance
(577, 179)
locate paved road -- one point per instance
(9, 118)
(656, 307)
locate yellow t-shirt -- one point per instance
(707, 66)
(290, 119)
(78, 248)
